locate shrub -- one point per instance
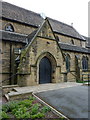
(34, 109)
(31, 98)
(45, 109)
(17, 109)
(13, 105)
(61, 118)
(9, 106)
(20, 112)
(3, 115)
(25, 115)
(26, 103)
(5, 108)
(14, 111)
(38, 115)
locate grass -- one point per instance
(83, 82)
(27, 108)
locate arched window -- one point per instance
(85, 63)
(9, 27)
(67, 62)
(72, 41)
(77, 58)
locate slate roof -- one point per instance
(64, 29)
(74, 48)
(19, 14)
(30, 36)
(11, 36)
(88, 40)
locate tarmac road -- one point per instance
(72, 101)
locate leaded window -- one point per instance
(9, 27)
(68, 63)
(85, 63)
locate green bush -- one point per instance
(34, 109)
(17, 109)
(45, 109)
(25, 115)
(14, 111)
(3, 115)
(5, 108)
(9, 106)
(38, 115)
(61, 118)
(32, 98)
(13, 105)
(20, 112)
(26, 103)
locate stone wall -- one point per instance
(35, 53)
(72, 75)
(68, 40)
(7, 59)
(18, 28)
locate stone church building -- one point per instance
(35, 51)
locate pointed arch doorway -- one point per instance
(45, 71)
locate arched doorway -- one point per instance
(45, 71)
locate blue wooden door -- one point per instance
(45, 71)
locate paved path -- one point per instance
(71, 101)
(46, 87)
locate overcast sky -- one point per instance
(67, 11)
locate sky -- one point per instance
(66, 11)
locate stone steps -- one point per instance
(17, 95)
(6, 89)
